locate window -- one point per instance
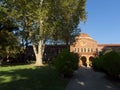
(84, 49)
(91, 50)
(88, 50)
(75, 49)
(81, 49)
(78, 49)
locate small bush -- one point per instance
(66, 62)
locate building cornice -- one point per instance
(109, 45)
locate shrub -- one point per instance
(108, 63)
(97, 64)
(111, 63)
(66, 62)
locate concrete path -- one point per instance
(87, 79)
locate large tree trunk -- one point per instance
(39, 49)
(38, 53)
(39, 60)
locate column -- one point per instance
(87, 61)
(80, 62)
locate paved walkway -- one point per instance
(87, 79)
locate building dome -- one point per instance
(84, 35)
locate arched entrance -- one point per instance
(90, 60)
(84, 59)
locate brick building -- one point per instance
(87, 48)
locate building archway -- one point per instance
(90, 60)
(84, 59)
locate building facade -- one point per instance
(87, 48)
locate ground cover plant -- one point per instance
(28, 77)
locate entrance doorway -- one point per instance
(90, 60)
(84, 59)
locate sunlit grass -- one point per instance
(28, 77)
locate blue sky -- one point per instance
(103, 21)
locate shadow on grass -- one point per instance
(28, 77)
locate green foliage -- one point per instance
(45, 19)
(109, 63)
(66, 62)
(67, 15)
(9, 44)
(97, 64)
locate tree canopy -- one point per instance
(40, 20)
(9, 44)
(66, 15)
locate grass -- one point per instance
(28, 77)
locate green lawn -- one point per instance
(28, 77)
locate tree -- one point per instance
(9, 44)
(35, 19)
(43, 18)
(68, 15)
